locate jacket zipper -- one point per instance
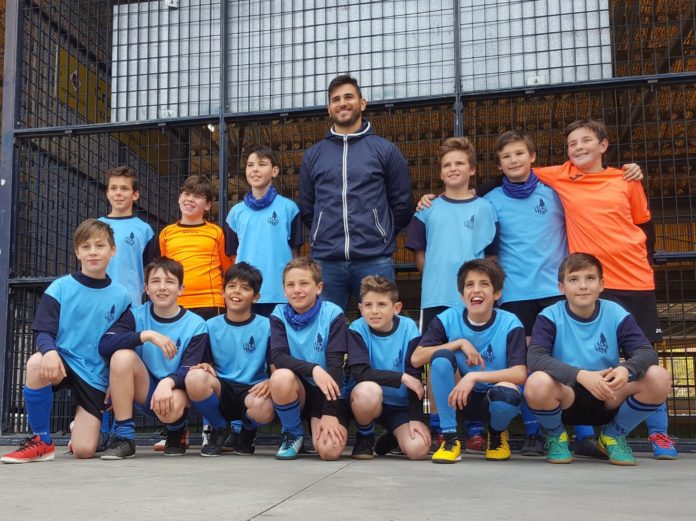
(379, 226)
(316, 230)
(344, 197)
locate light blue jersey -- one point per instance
(183, 329)
(451, 232)
(265, 239)
(388, 352)
(501, 341)
(85, 309)
(134, 243)
(532, 242)
(592, 344)
(240, 349)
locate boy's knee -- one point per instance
(658, 380)
(122, 361)
(261, 410)
(414, 449)
(504, 394)
(537, 386)
(366, 395)
(330, 453)
(443, 360)
(197, 384)
(282, 379)
(83, 451)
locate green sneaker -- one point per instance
(617, 449)
(557, 450)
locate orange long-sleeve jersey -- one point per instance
(200, 248)
(602, 211)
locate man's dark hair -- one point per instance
(343, 79)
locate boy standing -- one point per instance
(265, 229)
(199, 246)
(578, 377)
(235, 386)
(308, 346)
(150, 349)
(73, 314)
(456, 222)
(487, 348)
(609, 218)
(389, 389)
(136, 245)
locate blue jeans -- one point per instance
(342, 278)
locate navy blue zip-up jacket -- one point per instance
(355, 195)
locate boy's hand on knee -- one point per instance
(414, 384)
(162, 399)
(165, 343)
(52, 368)
(460, 394)
(331, 432)
(325, 383)
(203, 366)
(416, 428)
(261, 390)
(594, 381)
(617, 378)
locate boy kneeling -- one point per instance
(577, 376)
(151, 348)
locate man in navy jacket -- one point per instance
(355, 196)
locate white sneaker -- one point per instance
(205, 435)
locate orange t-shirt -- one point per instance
(200, 249)
(601, 213)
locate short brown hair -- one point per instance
(512, 136)
(488, 266)
(198, 185)
(168, 266)
(379, 284)
(304, 263)
(343, 79)
(577, 262)
(93, 228)
(261, 151)
(458, 143)
(598, 128)
(126, 171)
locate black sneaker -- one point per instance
(216, 441)
(587, 448)
(246, 442)
(104, 440)
(363, 447)
(231, 441)
(386, 443)
(119, 448)
(533, 446)
(175, 444)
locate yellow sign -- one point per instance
(80, 88)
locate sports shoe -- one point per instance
(436, 441)
(475, 444)
(31, 449)
(231, 441)
(308, 446)
(290, 446)
(617, 449)
(175, 444)
(557, 448)
(450, 450)
(159, 446)
(386, 443)
(104, 439)
(119, 448)
(363, 448)
(205, 435)
(216, 441)
(663, 446)
(532, 446)
(497, 446)
(587, 448)
(246, 442)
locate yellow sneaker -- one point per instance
(450, 450)
(497, 446)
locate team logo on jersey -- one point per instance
(541, 208)
(130, 240)
(109, 315)
(469, 225)
(249, 346)
(319, 344)
(273, 219)
(576, 177)
(487, 354)
(602, 346)
(178, 344)
(398, 360)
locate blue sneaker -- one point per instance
(663, 446)
(290, 446)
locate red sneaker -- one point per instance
(475, 444)
(31, 449)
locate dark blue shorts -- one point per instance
(392, 417)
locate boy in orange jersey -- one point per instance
(609, 218)
(199, 246)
